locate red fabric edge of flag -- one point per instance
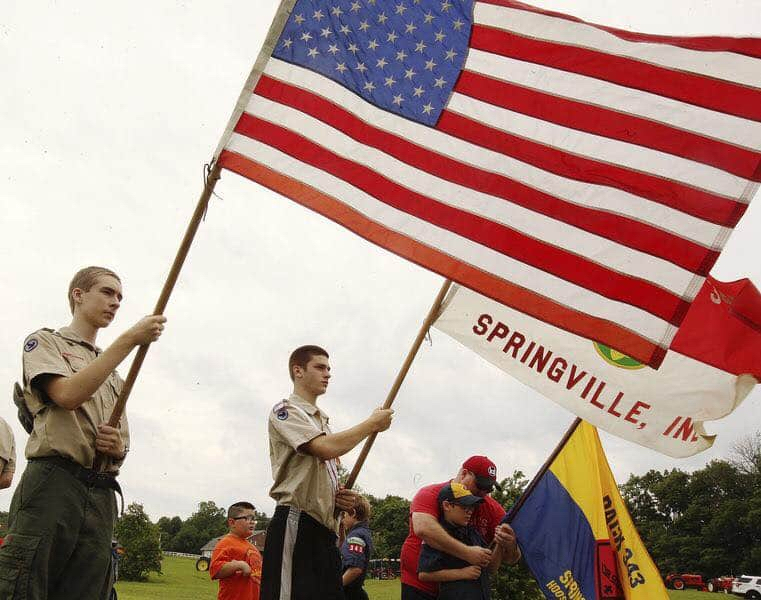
(500, 290)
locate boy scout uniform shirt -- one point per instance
(61, 432)
(301, 480)
(7, 447)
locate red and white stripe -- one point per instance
(585, 176)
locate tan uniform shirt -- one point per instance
(301, 480)
(7, 447)
(57, 431)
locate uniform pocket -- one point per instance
(16, 557)
(35, 476)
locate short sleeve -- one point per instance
(430, 560)
(7, 447)
(293, 424)
(354, 552)
(222, 554)
(42, 356)
(427, 501)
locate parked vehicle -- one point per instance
(747, 586)
(383, 568)
(720, 584)
(683, 581)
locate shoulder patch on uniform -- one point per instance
(356, 540)
(280, 410)
(30, 344)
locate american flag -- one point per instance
(584, 175)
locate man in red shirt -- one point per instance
(236, 562)
(479, 475)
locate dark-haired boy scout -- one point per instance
(62, 514)
(301, 561)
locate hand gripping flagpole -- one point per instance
(432, 315)
(171, 280)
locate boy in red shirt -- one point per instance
(235, 562)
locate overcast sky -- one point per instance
(108, 112)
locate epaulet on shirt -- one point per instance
(30, 342)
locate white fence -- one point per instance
(182, 555)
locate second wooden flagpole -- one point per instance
(430, 318)
(171, 280)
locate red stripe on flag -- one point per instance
(611, 124)
(692, 201)
(498, 289)
(550, 259)
(715, 94)
(746, 46)
(622, 230)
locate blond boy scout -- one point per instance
(302, 560)
(62, 514)
(7, 455)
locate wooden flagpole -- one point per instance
(171, 280)
(430, 318)
(535, 481)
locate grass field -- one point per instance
(181, 581)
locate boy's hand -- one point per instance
(146, 330)
(471, 572)
(478, 556)
(505, 537)
(243, 568)
(345, 499)
(108, 441)
(380, 420)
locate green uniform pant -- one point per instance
(58, 545)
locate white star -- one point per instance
(418, 92)
(410, 28)
(360, 67)
(391, 37)
(428, 18)
(439, 83)
(344, 29)
(446, 5)
(427, 109)
(401, 55)
(341, 67)
(372, 45)
(299, 19)
(400, 9)
(353, 48)
(318, 16)
(336, 11)
(398, 100)
(369, 86)
(333, 49)
(364, 25)
(420, 46)
(458, 24)
(382, 18)
(382, 62)
(429, 64)
(287, 43)
(325, 32)
(440, 36)
(409, 73)
(313, 52)
(451, 54)
(306, 36)
(355, 7)
(390, 81)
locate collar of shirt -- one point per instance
(71, 335)
(308, 407)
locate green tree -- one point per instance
(389, 523)
(208, 522)
(140, 539)
(515, 582)
(169, 528)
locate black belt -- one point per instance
(90, 477)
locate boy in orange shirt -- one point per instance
(235, 562)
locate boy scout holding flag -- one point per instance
(62, 514)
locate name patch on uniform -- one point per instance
(30, 345)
